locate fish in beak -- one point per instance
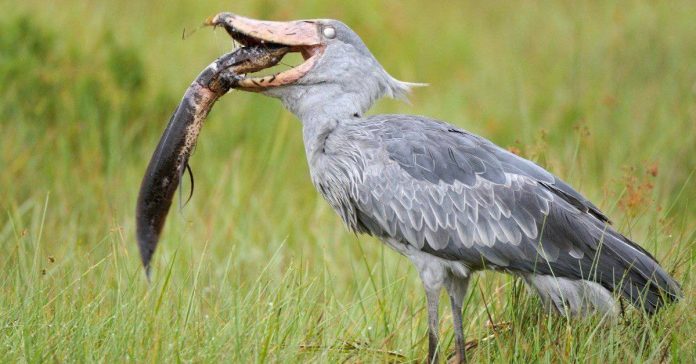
(170, 159)
(302, 36)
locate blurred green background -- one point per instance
(257, 267)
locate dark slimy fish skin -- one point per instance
(179, 138)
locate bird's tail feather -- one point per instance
(611, 265)
(642, 280)
(624, 268)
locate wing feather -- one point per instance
(460, 197)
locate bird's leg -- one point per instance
(456, 289)
(433, 276)
(432, 296)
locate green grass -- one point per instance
(257, 267)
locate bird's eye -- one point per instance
(329, 32)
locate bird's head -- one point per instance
(338, 76)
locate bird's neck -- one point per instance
(322, 108)
(316, 128)
(322, 101)
(322, 112)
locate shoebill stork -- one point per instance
(450, 201)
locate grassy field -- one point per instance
(257, 268)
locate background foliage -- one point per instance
(257, 268)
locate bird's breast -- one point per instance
(337, 172)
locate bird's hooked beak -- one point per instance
(303, 36)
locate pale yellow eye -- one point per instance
(329, 32)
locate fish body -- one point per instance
(170, 159)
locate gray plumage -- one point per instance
(455, 203)
(460, 198)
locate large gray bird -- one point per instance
(452, 202)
